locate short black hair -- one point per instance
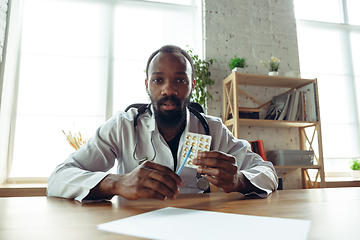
(172, 49)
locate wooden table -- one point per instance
(334, 213)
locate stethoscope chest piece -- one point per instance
(203, 184)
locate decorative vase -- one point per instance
(238, 69)
(273, 73)
(355, 173)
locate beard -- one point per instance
(170, 119)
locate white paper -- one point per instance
(178, 223)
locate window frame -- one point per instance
(346, 30)
(16, 13)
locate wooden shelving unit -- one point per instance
(231, 106)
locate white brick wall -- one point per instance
(255, 30)
(3, 15)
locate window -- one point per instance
(329, 51)
(82, 61)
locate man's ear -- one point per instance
(146, 84)
(193, 84)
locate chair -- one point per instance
(194, 105)
(280, 185)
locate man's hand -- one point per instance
(148, 180)
(220, 169)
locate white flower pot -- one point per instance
(274, 73)
(355, 173)
(238, 69)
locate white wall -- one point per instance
(255, 30)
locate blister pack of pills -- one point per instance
(199, 142)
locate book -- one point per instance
(277, 106)
(295, 107)
(302, 110)
(255, 147)
(299, 108)
(249, 113)
(311, 103)
(258, 147)
(291, 104)
(284, 112)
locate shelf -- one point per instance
(268, 81)
(307, 139)
(268, 123)
(303, 166)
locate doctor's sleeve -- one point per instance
(260, 173)
(86, 167)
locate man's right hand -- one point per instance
(148, 180)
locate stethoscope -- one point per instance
(202, 183)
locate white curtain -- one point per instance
(79, 62)
(8, 97)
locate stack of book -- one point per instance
(297, 105)
(258, 147)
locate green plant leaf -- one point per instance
(237, 62)
(202, 78)
(355, 164)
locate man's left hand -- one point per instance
(220, 169)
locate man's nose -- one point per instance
(169, 89)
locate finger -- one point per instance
(163, 184)
(217, 155)
(150, 193)
(216, 163)
(158, 180)
(219, 172)
(161, 168)
(226, 186)
(158, 188)
(212, 180)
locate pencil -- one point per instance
(183, 163)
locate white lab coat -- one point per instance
(115, 140)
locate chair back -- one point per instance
(193, 105)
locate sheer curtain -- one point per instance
(80, 62)
(328, 39)
(8, 102)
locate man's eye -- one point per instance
(156, 80)
(182, 80)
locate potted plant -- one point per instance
(273, 66)
(355, 167)
(237, 64)
(202, 79)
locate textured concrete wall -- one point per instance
(255, 30)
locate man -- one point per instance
(157, 136)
